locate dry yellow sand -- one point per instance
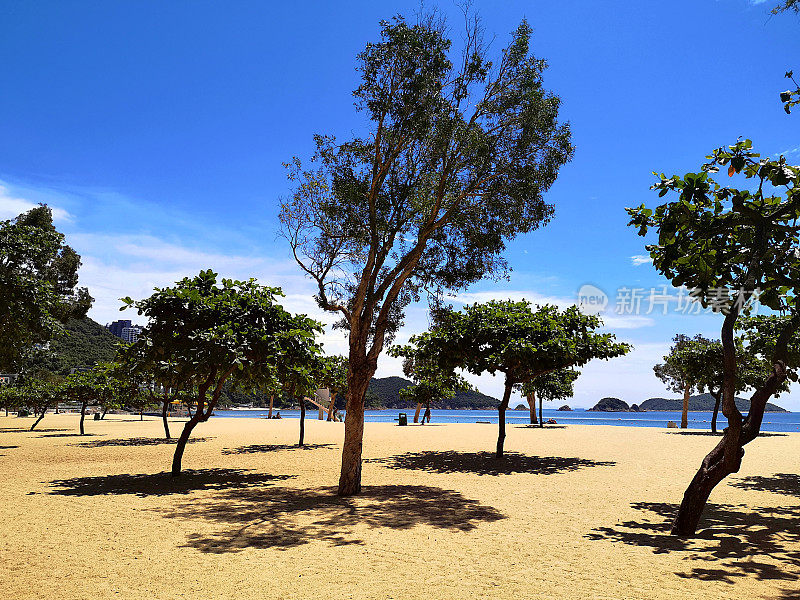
(580, 512)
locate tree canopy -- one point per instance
(212, 332)
(509, 337)
(38, 285)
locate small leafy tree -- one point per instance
(96, 386)
(299, 363)
(333, 376)
(727, 244)
(522, 344)
(214, 332)
(458, 154)
(556, 385)
(38, 285)
(431, 383)
(791, 97)
(682, 368)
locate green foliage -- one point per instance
(786, 5)
(790, 97)
(201, 333)
(38, 279)
(509, 337)
(431, 383)
(556, 385)
(333, 373)
(726, 242)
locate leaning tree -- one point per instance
(728, 244)
(556, 385)
(510, 338)
(38, 285)
(96, 386)
(216, 332)
(458, 152)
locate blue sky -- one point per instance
(157, 132)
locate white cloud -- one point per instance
(11, 207)
(640, 259)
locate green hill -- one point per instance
(384, 392)
(82, 345)
(699, 403)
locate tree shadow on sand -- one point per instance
(282, 518)
(720, 433)
(257, 448)
(787, 484)
(162, 484)
(485, 463)
(26, 430)
(65, 435)
(739, 541)
(138, 441)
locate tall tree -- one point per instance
(458, 153)
(522, 344)
(216, 332)
(556, 385)
(728, 243)
(38, 285)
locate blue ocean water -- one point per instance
(773, 421)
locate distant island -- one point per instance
(565, 407)
(698, 403)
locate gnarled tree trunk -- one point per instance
(271, 400)
(532, 407)
(501, 419)
(202, 413)
(685, 414)
(416, 413)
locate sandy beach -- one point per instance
(574, 512)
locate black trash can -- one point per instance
(96, 416)
(402, 419)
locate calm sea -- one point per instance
(697, 420)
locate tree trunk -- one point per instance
(41, 416)
(302, 421)
(416, 414)
(83, 415)
(726, 457)
(141, 415)
(717, 399)
(164, 411)
(427, 415)
(532, 407)
(105, 410)
(501, 419)
(271, 399)
(332, 404)
(541, 418)
(359, 374)
(687, 388)
(181, 445)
